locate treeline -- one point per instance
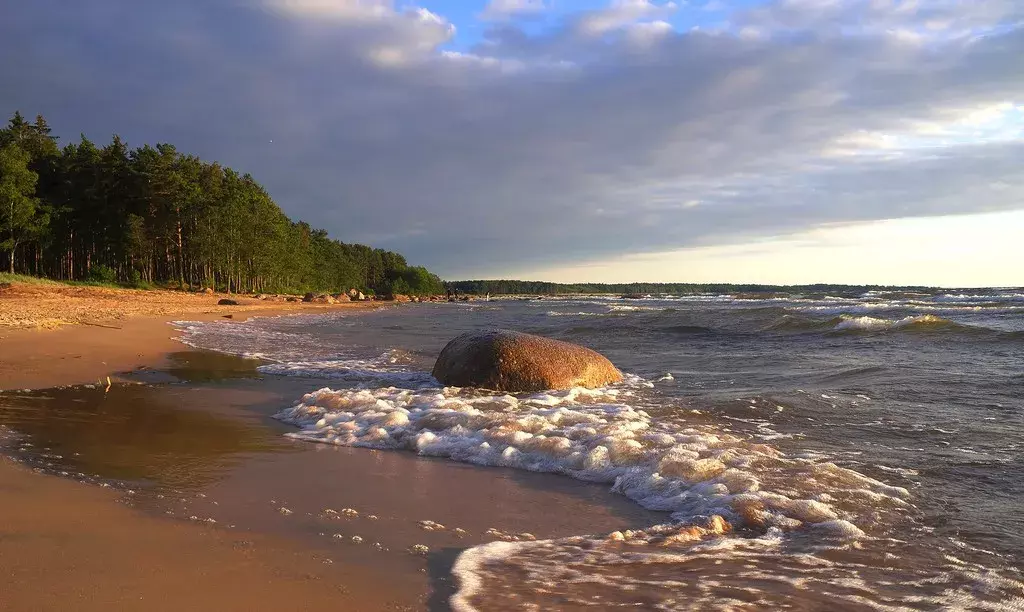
(517, 287)
(154, 216)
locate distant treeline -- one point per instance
(517, 287)
(152, 215)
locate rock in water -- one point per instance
(516, 362)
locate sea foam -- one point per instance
(597, 436)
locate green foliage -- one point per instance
(102, 274)
(155, 216)
(7, 277)
(21, 217)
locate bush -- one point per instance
(102, 274)
(135, 281)
(399, 287)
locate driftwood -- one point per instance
(99, 325)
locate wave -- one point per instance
(670, 568)
(375, 372)
(555, 313)
(597, 436)
(856, 323)
(630, 308)
(926, 322)
(741, 511)
(685, 330)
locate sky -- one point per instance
(774, 141)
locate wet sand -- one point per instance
(203, 489)
(80, 354)
(66, 545)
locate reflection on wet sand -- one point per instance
(209, 454)
(139, 433)
(199, 367)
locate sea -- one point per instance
(855, 450)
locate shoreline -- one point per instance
(119, 337)
(69, 543)
(108, 547)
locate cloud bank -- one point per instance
(634, 127)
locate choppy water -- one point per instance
(863, 449)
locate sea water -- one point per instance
(856, 450)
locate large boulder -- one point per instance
(318, 298)
(515, 362)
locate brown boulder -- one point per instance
(227, 302)
(515, 362)
(318, 298)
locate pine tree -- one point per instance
(20, 217)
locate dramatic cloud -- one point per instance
(612, 131)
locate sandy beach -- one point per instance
(53, 334)
(190, 483)
(69, 544)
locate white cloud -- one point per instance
(648, 32)
(335, 9)
(621, 14)
(501, 10)
(386, 36)
(911, 20)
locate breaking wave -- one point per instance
(849, 323)
(741, 511)
(597, 436)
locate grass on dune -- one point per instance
(7, 277)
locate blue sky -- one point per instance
(471, 28)
(618, 139)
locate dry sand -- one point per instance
(100, 332)
(50, 305)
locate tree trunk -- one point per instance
(14, 249)
(181, 257)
